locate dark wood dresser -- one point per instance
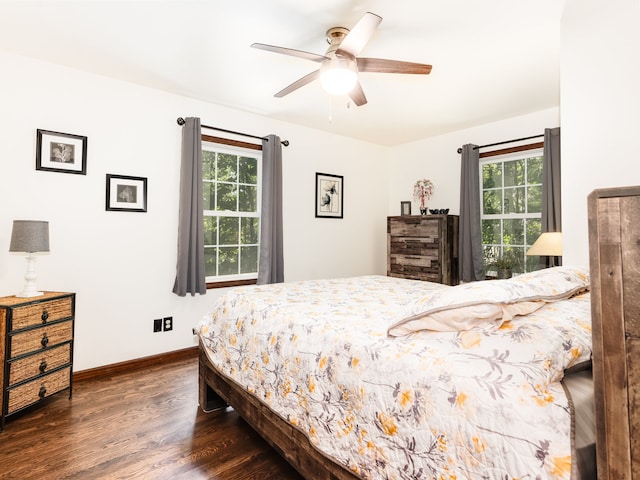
(37, 349)
(423, 247)
(614, 251)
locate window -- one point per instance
(231, 195)
(511, 207)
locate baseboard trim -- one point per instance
(127, 366)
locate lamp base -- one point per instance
(29, 289)
(29, 294)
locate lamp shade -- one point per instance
(29, 236)
(548, 244)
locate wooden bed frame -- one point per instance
(216, 391)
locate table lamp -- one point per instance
(30, 237)
(549, 244)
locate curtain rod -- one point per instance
(283, 142)
(502, 143)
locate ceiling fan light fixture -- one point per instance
(338, 76)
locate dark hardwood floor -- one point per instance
(141, 424)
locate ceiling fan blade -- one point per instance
(290, 51)
(357, 95)
(301, 82)
(359, 35)
(391, 66)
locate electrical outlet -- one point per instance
(157, 325)
(168, 324)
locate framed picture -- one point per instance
(329, 195)
(61, 152)
(126, 194)
(405, 208)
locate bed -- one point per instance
(377, 377)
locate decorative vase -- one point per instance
(423, 211)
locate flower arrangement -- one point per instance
(422, 189)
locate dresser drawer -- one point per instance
(41, 313)
(38, 389)
(39, 338)
(39, 363)
(415, 227)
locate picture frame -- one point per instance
(126, 193)
(61, 152)
(405, 208)
(329, 200)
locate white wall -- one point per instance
(437, 158)
(122, 264)
(600, 105)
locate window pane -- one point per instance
(248, 199)
(534, 199)
(228, 261)
(210, 261)
(227, 197)
(491, 254)
(229, 227)
(514, 231)
(208, 195)
(514, 200)
(492, 175)
(491, 232)
(534, 170)
(210, 230)
(227, 167)
(534, 229)
(248, 170)
(517, 254)
(208, 165)
(492, 201)
(249, 232)
(514, 173)
(249, 257)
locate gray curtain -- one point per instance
(190, 275)
(470, 258)
(271, 263)
(551, 192)
(551, 176)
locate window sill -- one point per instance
(231, 283)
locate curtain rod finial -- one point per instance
(180, 121)
(285, 143)
(459, 150)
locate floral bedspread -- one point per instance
(485, 403)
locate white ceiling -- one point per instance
(492, 59)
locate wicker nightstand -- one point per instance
(37, 349)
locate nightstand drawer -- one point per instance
(40, 388)
(41, 313)
(39, 363)
(40, 338)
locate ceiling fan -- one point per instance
(340, 65)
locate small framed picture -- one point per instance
(61, 152)
(405, 208)
(126, 194)
(329, 195)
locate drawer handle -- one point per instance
(43, 365)
(44, 316)
(45, 341)
(42, 392)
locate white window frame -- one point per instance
(245, 152)
(522, 155)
